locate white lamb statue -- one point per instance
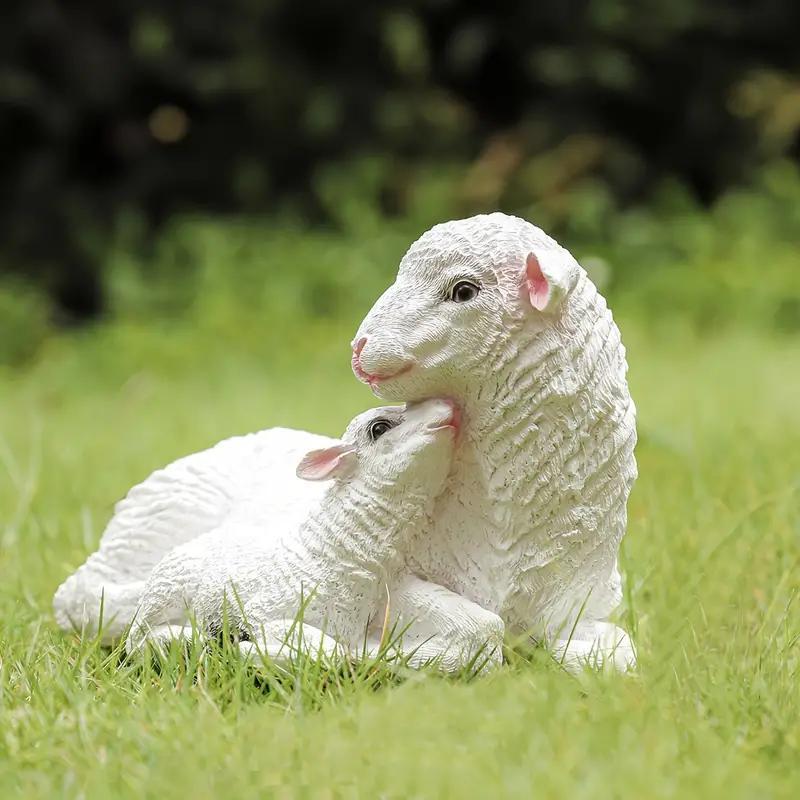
(336, 565)
(492, 312)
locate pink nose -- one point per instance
(358, 346)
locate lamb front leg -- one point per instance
(164, 612)
(440, 626)
(282, 640)
(161, 637)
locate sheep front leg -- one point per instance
(595, 644)
(440, 626)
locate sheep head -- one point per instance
(463, 291)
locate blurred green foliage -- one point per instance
(670, 261)
(257, 280)
(24, 321)
(157, 107)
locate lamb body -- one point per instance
(335, 564)
(241, 481)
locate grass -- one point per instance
(712, 560)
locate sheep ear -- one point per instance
(330, 462)
(546, 279)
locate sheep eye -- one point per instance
(463, 292)
(378, 428)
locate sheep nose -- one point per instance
(358, 346)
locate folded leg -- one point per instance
(283, 639)
(165, 612)
(440, 626)
(161, 637)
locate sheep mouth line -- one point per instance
(374, 379)
(447, 426)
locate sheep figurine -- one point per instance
(386, 472)
(492, 312)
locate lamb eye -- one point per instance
(378, 428)
(463, 292)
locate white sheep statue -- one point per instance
(335, 566)
(492, 312)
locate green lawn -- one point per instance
(712, 560)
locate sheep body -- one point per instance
(530, 522)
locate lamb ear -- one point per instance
(546, 279)
(330, 462)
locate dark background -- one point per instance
(135, 107)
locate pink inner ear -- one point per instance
(321, 464)
(538, 287)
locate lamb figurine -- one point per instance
(491, 311)
(386, 472)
